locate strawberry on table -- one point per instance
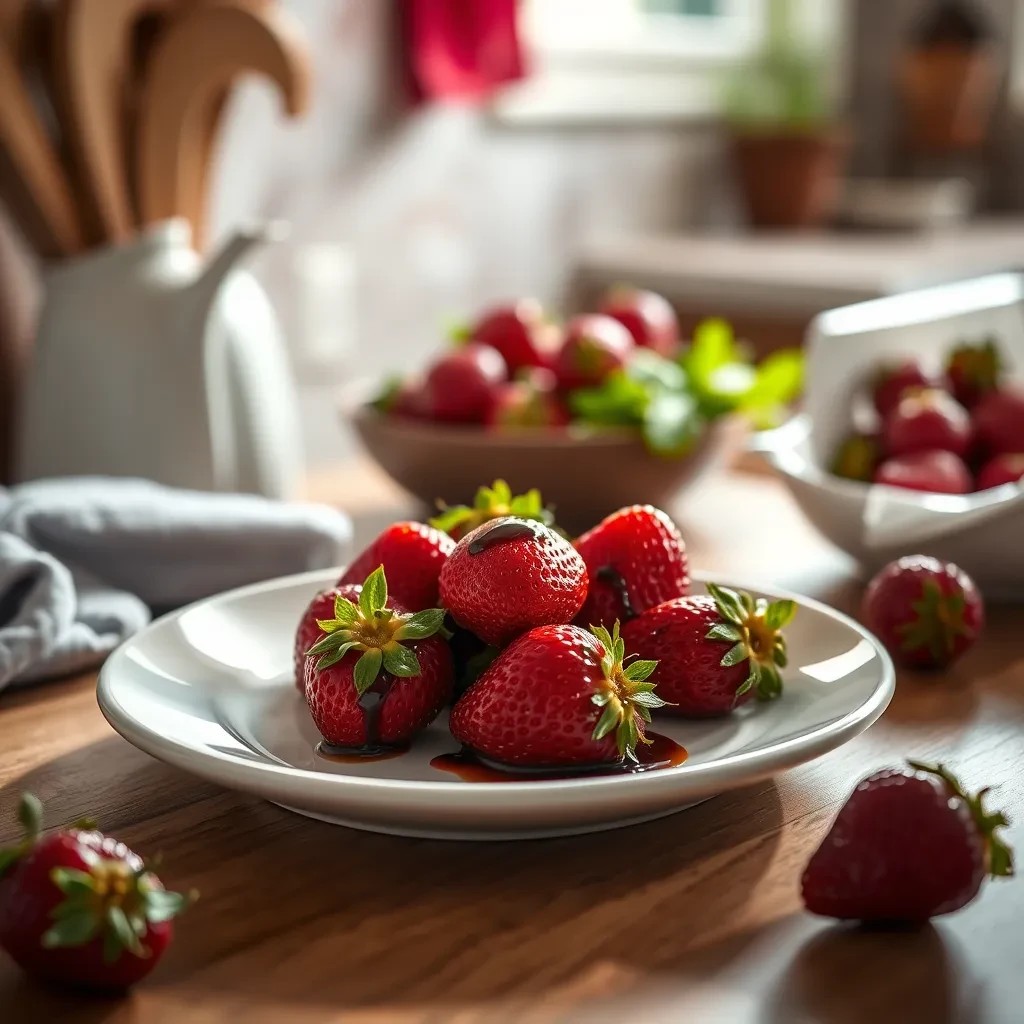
(910, 844)
(635, 560)
(594, 346)
(321, 608)
(926, 612)
(936, 472)
(510, 575)
(714, 651)
(380, 674)
(80, 908)
(412, 555)
(558, 697)
(522, 333)
(461, 386)
(492, 503)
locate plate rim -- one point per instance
(776, 757)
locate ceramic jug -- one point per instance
(149, 363)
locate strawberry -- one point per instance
(460, 387)
(594, 346)
(714, 651)
(402, 398)
(973, 371)
(491, 503)
(857, 458)
(381, 674)
(635, 560)
(999, 421)
(892, 382)
(935, 471)
(927, 612)
(412, 555)
(522, 333)
(558, 696)
(531, 400)
(309, 632)
(510, 575)
(927, 420)
(1001, 469)
(647, 316)
(80, 908)
(909, 845)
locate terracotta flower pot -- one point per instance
(789, 179)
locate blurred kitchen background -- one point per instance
(456, 154)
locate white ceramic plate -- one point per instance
(209, 689)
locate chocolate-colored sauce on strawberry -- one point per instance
(662, 752)
(610, 575)
(372, 701)
(499, 533)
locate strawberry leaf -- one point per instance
(30, 816)
(448, 520)
(648, 700)
(163, 906)
(366, 670)
(374, 594)
(780, 613)
(72, 929)
(640, 670)
(334, 656)
(769, 683)
(345, 612)
(728, 603)
(400, 661)
(72, 882)
(735, 655)
(421, 625)
(726, 632)
(329, 644)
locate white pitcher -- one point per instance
(148, 363)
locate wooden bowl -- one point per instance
(585, 473)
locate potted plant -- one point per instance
(787, 147)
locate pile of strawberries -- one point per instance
(516, 367)
(960, 431)
(559, 651)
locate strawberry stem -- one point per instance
(491, 503)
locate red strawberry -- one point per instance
(999, 421)
(594, 346)
(909, 845)
(649, 317)
(522, 333)
(635, 559)
(380, 675)
(461, 385)
(410, 402)
(529, 401)
(927, 420)
(892, 382)
(320, 609)
(412, 555)
(927, 612)
(558, 696)
(935, 471)
(973, 371)
(510, 575)
(80, 908)
(714, 651)
(857, 458)
(1001, 469)
(492, 503)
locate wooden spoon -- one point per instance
(192, 66)
(92, 53)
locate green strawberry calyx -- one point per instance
(938, 622)
(379, 632)
(491, 503)
(1000, 855)
(979, 365)
(753, 629)
(625, 694)
(112, 900)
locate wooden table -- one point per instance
(693, 918)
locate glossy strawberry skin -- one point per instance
(410, 704)
(595, 345)
(1001, 469)
(900, 850)
(936, 472)
(999, 421)
(689, 675)
(520, 333)
(460, 386)
(321, 607)
(510, 575)
(637, 550)
(548, 723)
(412, 555)
(888, 609)
(28, 898)
(894, 381)
(927, 421)
(648, 317)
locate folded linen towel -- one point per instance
(84, 560)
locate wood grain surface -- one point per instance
(695, 917)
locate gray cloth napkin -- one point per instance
(84, 560)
